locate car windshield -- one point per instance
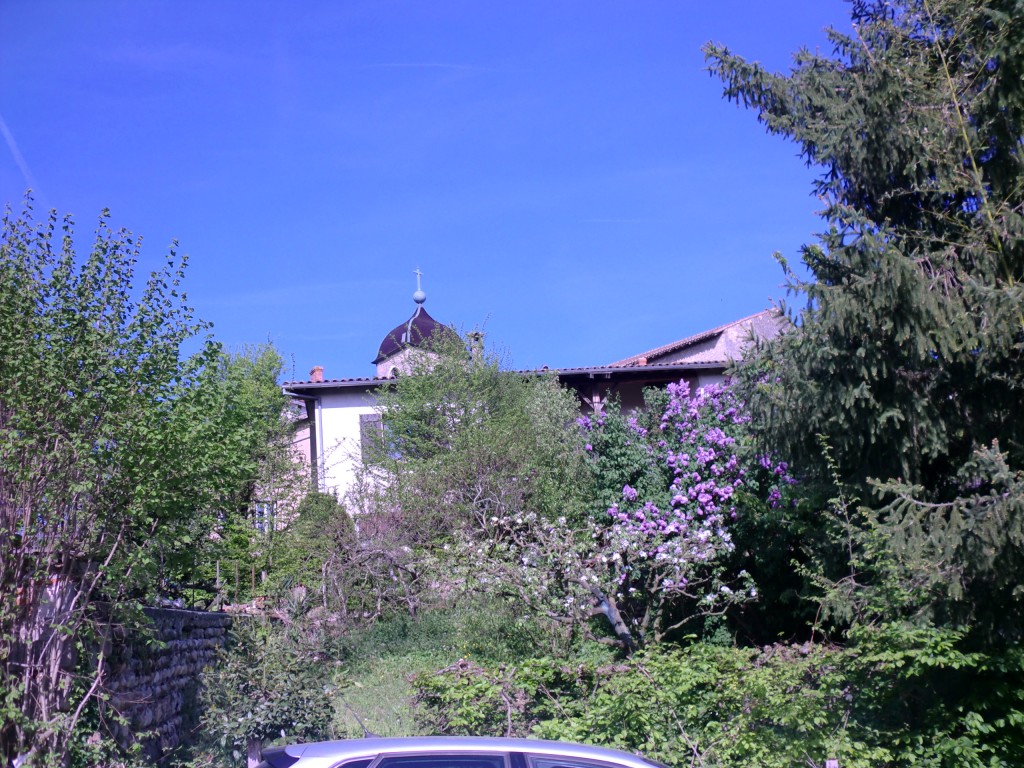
(441, 761)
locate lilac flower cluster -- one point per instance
(685, 529)
(671, 538)
(778, 472)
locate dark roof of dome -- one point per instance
(418, 331)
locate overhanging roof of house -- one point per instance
(298, 387)
(566, 375)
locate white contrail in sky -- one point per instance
(18, 159)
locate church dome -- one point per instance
(420, 330)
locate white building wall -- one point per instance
(400, 363)
(340, 453)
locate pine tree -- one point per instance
(907, 357)
(909, 353)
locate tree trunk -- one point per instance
(607, 606)
(254, 751)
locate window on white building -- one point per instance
(371, 435)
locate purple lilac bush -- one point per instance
(681, 473)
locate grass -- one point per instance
(381, 659)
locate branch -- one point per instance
(608, 607)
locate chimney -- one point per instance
(317, 374)
(476, 345)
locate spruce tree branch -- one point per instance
(978, 181)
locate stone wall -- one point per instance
(154, 677)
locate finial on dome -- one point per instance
(419, 296)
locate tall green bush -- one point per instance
(304, 553)
(269, 683)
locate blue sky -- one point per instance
(565, 174)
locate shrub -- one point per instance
(894, 696)
(267, 684)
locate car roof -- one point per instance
(354, 748)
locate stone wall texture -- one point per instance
(154, 677)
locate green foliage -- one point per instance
(897, 392)
(777, 706)
(92, 745)
(505, 489)
(269, 683)
(951, 564)
(620, 457)
(479, 465)
(910, 341)
(493, 631)
(965, 557)
(379, 659)
(246, 414)
(908, 358)
(465, 438)
(96, 415)
(466, 699)
(118, 455)
(303, 553)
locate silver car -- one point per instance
(449, 752)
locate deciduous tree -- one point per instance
(116, 452)
(472, 457)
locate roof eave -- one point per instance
(303, 386)
(606, 371)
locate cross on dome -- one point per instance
(419, 296)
